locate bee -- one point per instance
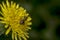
(23, 20)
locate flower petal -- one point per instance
(8, 30)
(4, 5)
(16, 36)
(29, 23)
(6, 25)
(17, 6)
(29, 19)
(13, 35)
(8, 5)
(24, 37)
(19, 38)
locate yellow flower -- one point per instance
(16, 19)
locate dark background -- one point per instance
(45, 16)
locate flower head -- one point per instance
(16, 19)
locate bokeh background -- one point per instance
(45, 16)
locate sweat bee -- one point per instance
(23, 20)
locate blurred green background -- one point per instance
(45, 19)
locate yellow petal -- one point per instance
(21, 8)
(2, 22)
(1, 13)
(3, 10)
(17, 6)
(6, 26)
(8, 30)
(24, 11)
(29, 19)
(28, 27)
(29, 23)
(1, 18)
(24, 37)
(27, 14)
(16, 36)
(8, 5)
(13, 35)
(4, 5)
(13, 5)
(19, 38)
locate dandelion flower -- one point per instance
(16, 19)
